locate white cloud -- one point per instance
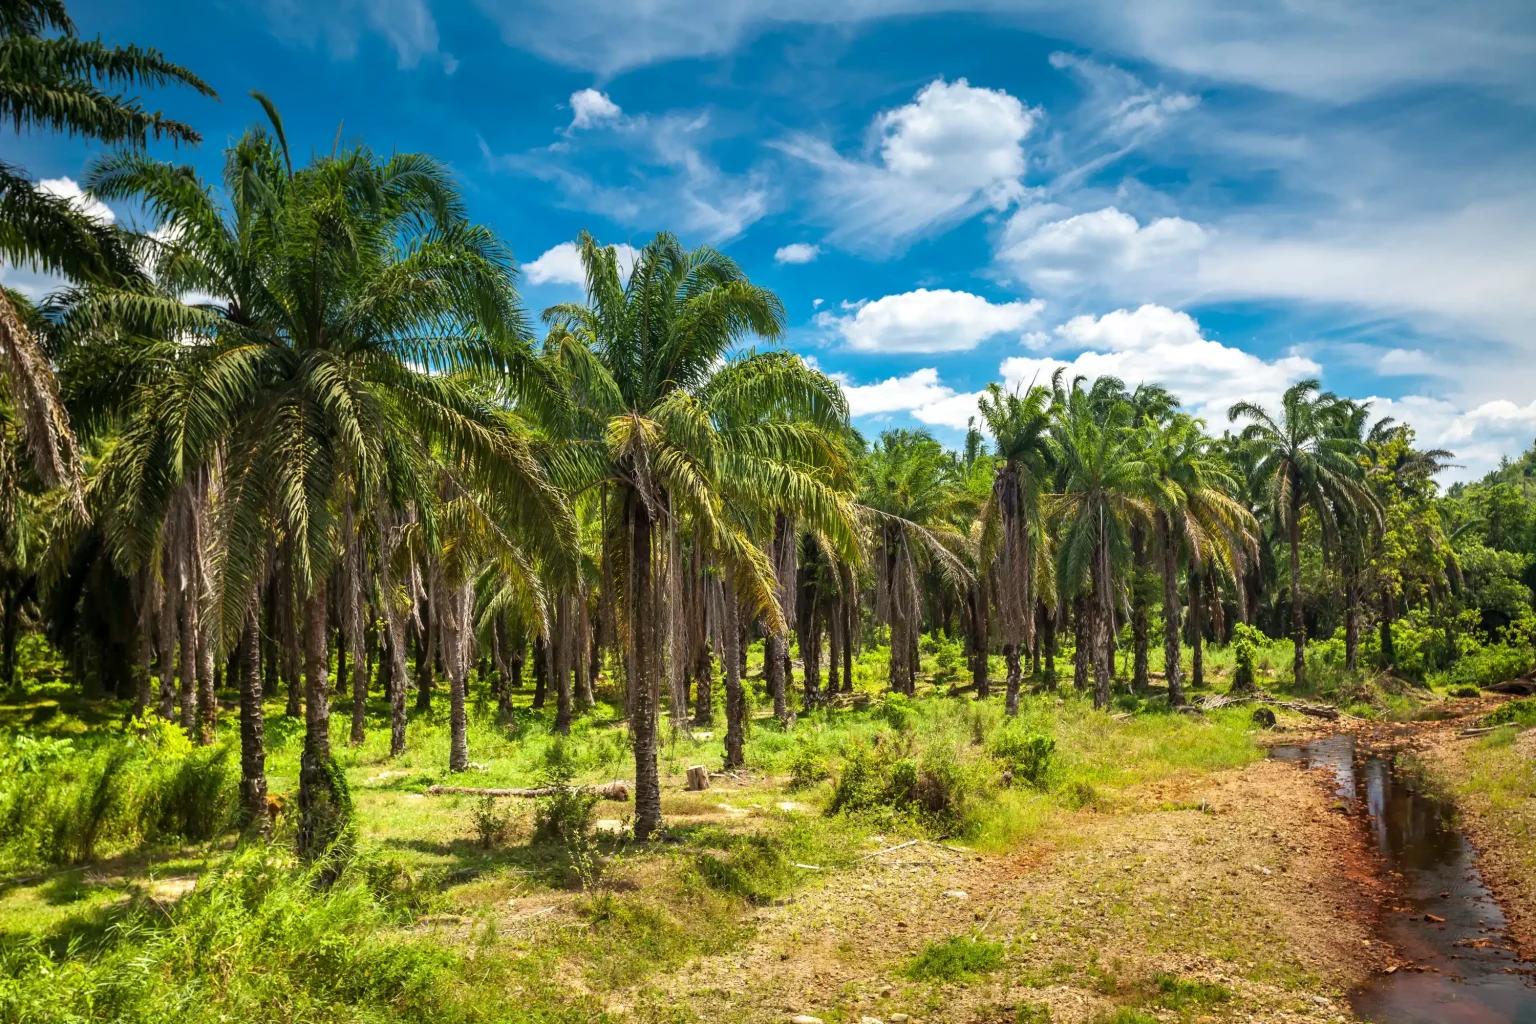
(66, 188)
(1122, 105)
(562, 264)
(1102, 247)
(929, 321)
(1478, 436)
(1341, 51)
(952, 152)
(919, 393)
(797, 252)
(590, 107)
(1154, 344)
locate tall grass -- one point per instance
(64, 801)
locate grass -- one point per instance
(439, 915)
(956, 958)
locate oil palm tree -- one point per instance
(355, 309)
(1012, 523)
(51, 79)
(1104, 483)
(682, 437)
(1303, 462)
(912, 499)
(1195, 513)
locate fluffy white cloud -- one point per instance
(928, 321)
(590, 107)
(562, 264)
(1154, 344)
(919, 393)
(1479, 436)
(1104, 247)
(953, 151)
(797, 252)
(66, 188)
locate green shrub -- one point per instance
(1521, 712)
(936, 787)
(1465, 691)
(491, 822)
(1032, 1013)
(807, 767)
(1027, 756)
(954, 959)
(898, 713)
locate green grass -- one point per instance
(1177, 993)
(955, 959)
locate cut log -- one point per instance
(698, 777)
(608, 790)
(1514, 687)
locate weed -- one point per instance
(491, 822)
(1126, 1015)
(955, 959)
(1027, 757)
(1032, 1013)
(807, 767)
(1521, 711)
(1177, 993)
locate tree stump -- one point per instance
(1264, 718)
(698, 777)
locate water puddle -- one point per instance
(1444, 922)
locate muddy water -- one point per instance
(1444, 922)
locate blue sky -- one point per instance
(1223, 195)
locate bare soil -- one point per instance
(1251, 879)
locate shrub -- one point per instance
(491, 823)
(1521, 711)
(1032, 1013)
(898, 712)
(937, 787)
(565, 818)
(1027, 757)
(1246, 642)
(807, 767)
(1465, 691)
(955, 959)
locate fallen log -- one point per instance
(1513, 687)
(1217, 700)
(607, 790)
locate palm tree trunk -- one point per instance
(1196, 628)
(540, 670)
(735, 698)
(1081, 642)
(453, 623)
(1103, 664)
(1140, 673)
(1298, 624)
(186, 699)
(977, 614)
(1172, 670)
(426, 660)
(253, 753)
(835, 646)
(850, 630)
(775, 653)
(1048, 642)
(704, 696)
(10, 629)
(323, 803)
(560, 663)
(645, 685)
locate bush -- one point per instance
(955, 959)
(1246, 643)
(807, 767)
(898, 712)
(937, 787)
(1027, 757)
(491, 823)
(61, 803)
(565, 818)
(1177, 993)
(1521, 712)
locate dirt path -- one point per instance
(1258, 885)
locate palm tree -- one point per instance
(1104, 480)
(51, 79)
(1012, 524)
(912, 498)
(684, 439)
(1195, 512)
(1304, 463)
(355, 308)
